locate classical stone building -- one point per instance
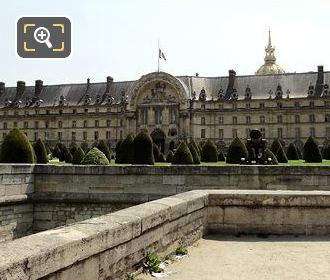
(290, 106)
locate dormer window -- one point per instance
(8, 102)
(98, 99)
(38, 102)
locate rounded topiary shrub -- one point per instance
(292, 153)
(103, 147)
(194, 153)
(16, 148)
(143, 149)
(221, 156)
(40, 151)
(311, 151)
(78, 156)
(155, 151)
(182, 155)
(281, 156)
(236, 151)
(95, 157)
(209, 152)
(118, 151)
(127, 149)
(269, 154)
(169, 157)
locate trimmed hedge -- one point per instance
(103, 147)
(16, 148)
(182, 155)
(269, 154)
(281, 156)
(169, 157)
(78, 156)
(118, 152)
(311, 151)
(221, 156)
(127, 149)
(292, 153)
(143, 149)
(40, 151)
(194, 153)
(95, 157)
(209, 152)
(236, 151)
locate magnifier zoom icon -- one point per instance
(42, 35)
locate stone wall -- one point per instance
(16, 209)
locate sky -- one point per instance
(119, 38)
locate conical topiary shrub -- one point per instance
(40, 151)
(269, 154)
(236, 151)
(221, 156)
(299, 153)
(281, 156)
(84, 146)
(16, 148)
(161, 158)
(292, 153)
(326, 152)
(194, 153)
(209, 152)
(311, 151)
(155, 151)
(182, 155)
(118, 152)
(275, 145)
(78, 156)
(95, 157)
(193, 143)
(103, 147)
(127, 149)
(143, 153)
(72, 148)
(56, 152)
(169, 157)
(65, 154)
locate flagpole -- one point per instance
(158, 55)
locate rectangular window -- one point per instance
(35, 136)
(280, 133)
(144, 116)
(220, 106)
(96, 123)
(121, 122)
(221, 120)
(121, 134)
(26, 113)
(326, 104)
(4, 125)
(248, 119)
(262, 119)
(221, 133)
(311, 118)
(108, 123)
(26, 124)
(247, 133)
(297, 119)
(261, 105)
(59, 124)
(297, 104)
(74, 111)
(60, 112)
(234, 133)
(312, 131)
(74, 124)
(47, 112)
(158, 116)
(202, 121)
(96, 135)
(85, 123)
(327, 118)
(108, 135)
(73, 135)
(297, 132)
(279, 119)
(85, 135)
(311, 104)
(86, 110)
(247, 106)
(203, 133)
(173, 113)
(36, 124)
(46, 124)
(46, 136)
(15, 124)
(234, 120)
(263, 132)
(59, 136)
(327, 133)
(37, 112)
(234, 106)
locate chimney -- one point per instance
(2, 87)
(231, 84)
(20, 88)
(319, 81)
(109, 83)
(38, 87)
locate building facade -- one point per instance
(290, 106)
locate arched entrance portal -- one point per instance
(158, 137)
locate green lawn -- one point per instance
(55, 161)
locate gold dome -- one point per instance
(270, 66)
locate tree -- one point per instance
(155, 151)
(236, 151)
(78, 156)
(40, 151)
(95, 157)
(103, 147)
(182, 155)
(118, 156)
(127, 149)
(280, 155)
(16, 148)
(143, 149)
(169, 157)
(194, 153)
(311, 151)
(292, 152)
(209, 152)
(221, 156)
(269, 154)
